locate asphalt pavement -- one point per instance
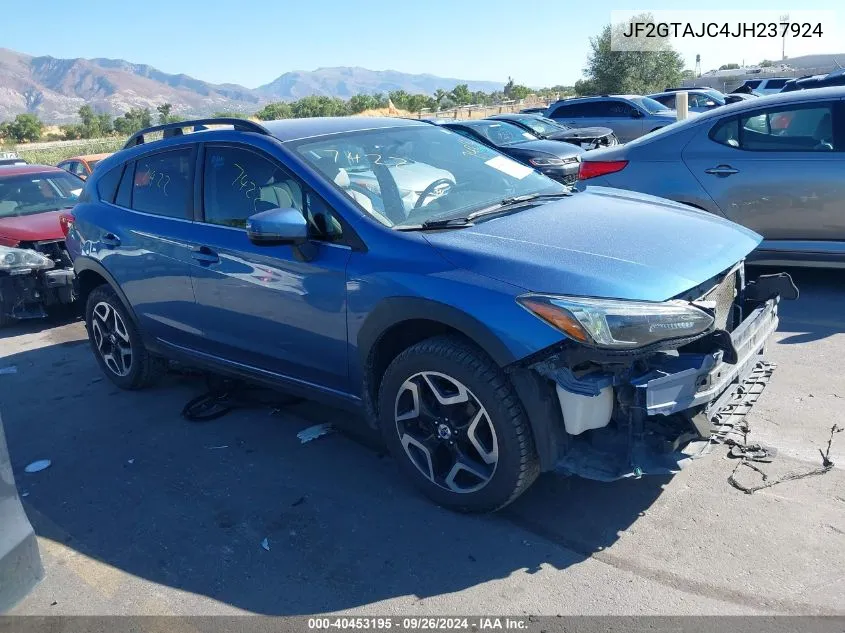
(143, 512)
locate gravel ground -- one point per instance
(145, 513)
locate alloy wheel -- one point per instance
(111, 338)
(446, 432)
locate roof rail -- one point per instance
(175, 129)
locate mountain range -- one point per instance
(55, 89)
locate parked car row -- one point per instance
(775, 164)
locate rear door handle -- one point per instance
(204, 255)
(721, 170)
(110, 240)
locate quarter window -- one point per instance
(163, 183)
(108, 183)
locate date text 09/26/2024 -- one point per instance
(421, 623)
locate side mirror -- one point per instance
(277, 226)
(636, 114)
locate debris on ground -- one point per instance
(130, 461)
(827, 465)
(9, 370)
(298, 502)
(266, 544)
(38, 466)
(217, 448)
(313, 432)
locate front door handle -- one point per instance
(204, 255)
(721, 170)
(110, 240)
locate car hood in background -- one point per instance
(556, 148)
(600, 243)
(27, 228)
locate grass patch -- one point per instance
(57, 153)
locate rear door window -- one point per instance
(614, 109)
(806, 128)
(163, 183)
(571, 111)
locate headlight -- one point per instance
(547, 162)
(618, 324)
(14, 260)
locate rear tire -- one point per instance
(455, 425)
(117, 344)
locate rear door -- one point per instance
(778, 170)
(145, 242)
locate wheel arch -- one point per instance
(397, 323)
(91, 274)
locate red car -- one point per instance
(36, 271)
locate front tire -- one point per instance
(455, 425)
(116, 343)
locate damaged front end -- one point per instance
(34, 276)
(637, 384)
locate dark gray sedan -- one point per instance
(554, 159)
(775, 164)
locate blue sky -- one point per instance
(253, 42)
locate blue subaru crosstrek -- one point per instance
(491, 322)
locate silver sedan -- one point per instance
(775, 164)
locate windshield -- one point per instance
(501, 133)
(717, 96)
(37, 193)
(650, 104)
(542, 125)
(409, 175)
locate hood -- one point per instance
(600, 243)
(581, 133)
(556, 148)
(28, 228)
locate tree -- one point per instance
(508, 88)
(164, 115)
(585, 87)
(766, 63)
(439, 95)
(93, 125)
(728, 66)
(631, 71)
(359, 103)
(134, 120)
(24, 127)
(688, 74)
(273, 111)
(461, 95)
(519, 92)
(319, 105)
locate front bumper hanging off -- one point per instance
(27, 296)
(665, 402)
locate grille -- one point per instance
(724, 295)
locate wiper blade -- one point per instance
(516, 200)
(428, 225)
